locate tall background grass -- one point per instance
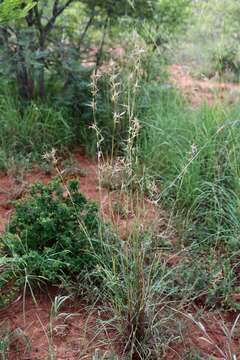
(193, 155)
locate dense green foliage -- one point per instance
(11, 10)
(54, 236)
(31, 132)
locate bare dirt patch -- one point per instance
(75, 333)
(199, 91)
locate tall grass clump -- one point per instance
(31, 129)
(137, 289)
(193, 156)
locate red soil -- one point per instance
(199, 91)
(75, 332)
(214, 341)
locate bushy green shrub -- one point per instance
(54, 235)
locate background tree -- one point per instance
(50, 39)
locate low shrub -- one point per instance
(54, 235)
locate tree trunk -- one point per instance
(100, 51)
(41, 79)
(24, 79)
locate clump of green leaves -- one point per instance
(11, 10)
(54, 235)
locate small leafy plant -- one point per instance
(54, 235)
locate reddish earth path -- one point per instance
(199, 91)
